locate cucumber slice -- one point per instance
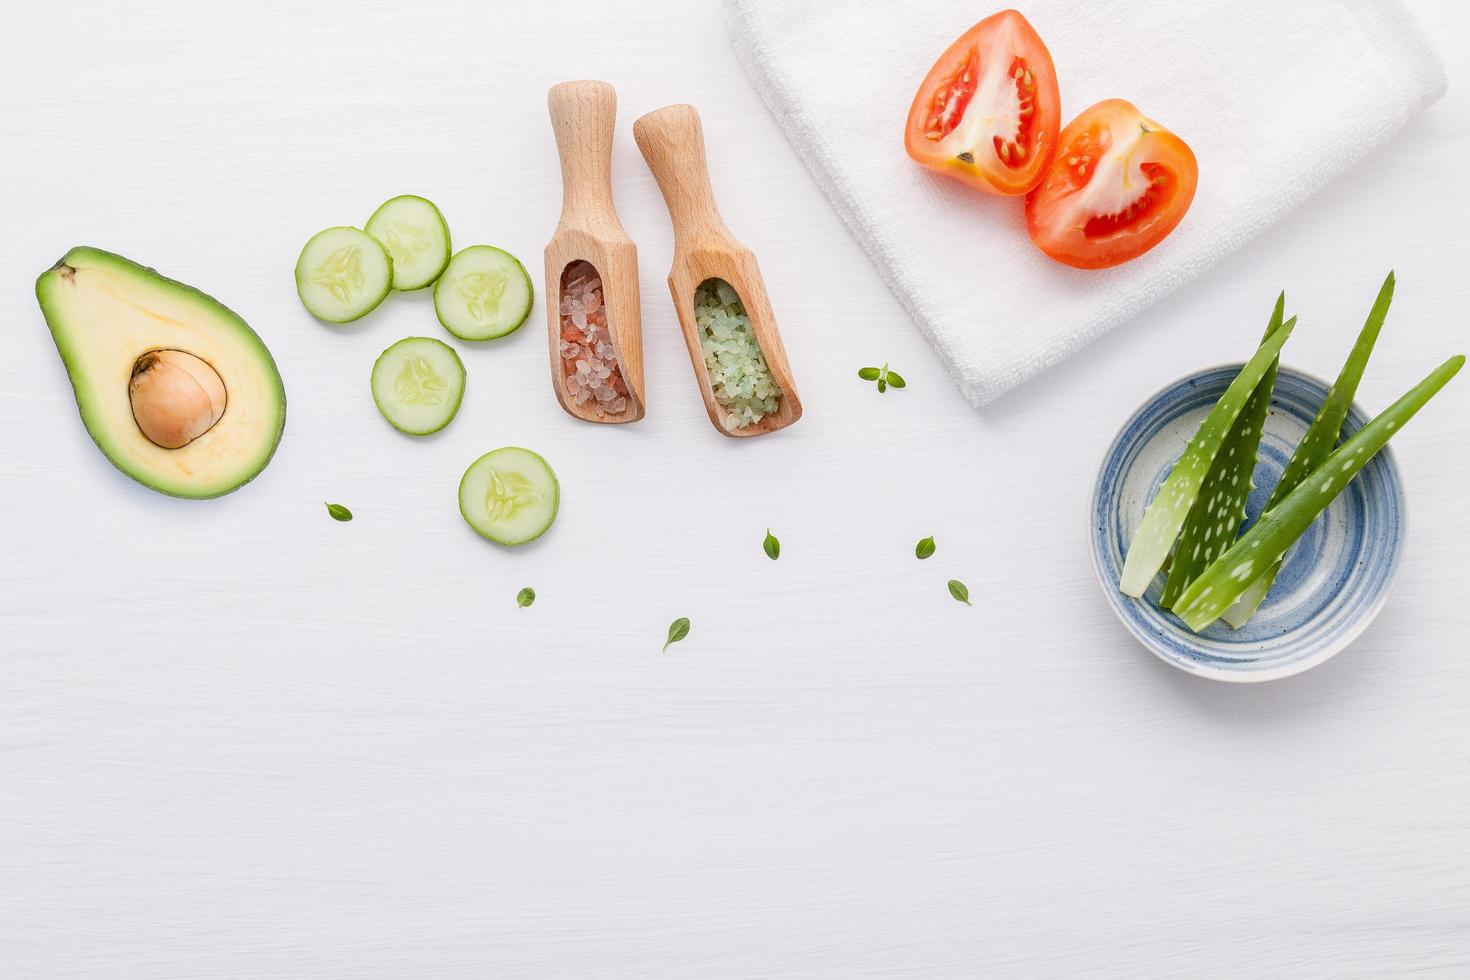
(510, 496)
(413, 231)
(418, 383)
(483, 294)
(342, 274)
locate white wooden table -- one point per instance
(238, 739)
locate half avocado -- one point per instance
(175, 389)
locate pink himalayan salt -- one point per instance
(587, 356)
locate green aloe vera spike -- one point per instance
(1315, 446)
(1219, 509)
(1241, 611)
(1171, 505)
(1278, 529)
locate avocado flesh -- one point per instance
(104, 311)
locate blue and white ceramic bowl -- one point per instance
(1334, 580)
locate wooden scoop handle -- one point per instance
(672, 141)
(582, 116)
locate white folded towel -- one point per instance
(1276, 97)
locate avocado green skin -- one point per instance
(77, 256)
(530, 296)
(448, 241)
(556, 508)
(300, 274)
(454, 409)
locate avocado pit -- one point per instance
(176, 397)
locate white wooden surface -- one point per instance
(240, 740)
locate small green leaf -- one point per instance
(886, 379)
(678, 629)
(772, 546)
(525, 597)
(924, 548)
(958, 590)
(339, 513)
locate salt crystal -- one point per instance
(590, 361)
(738, 373)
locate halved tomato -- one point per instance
(988, 111)
(1118, 185)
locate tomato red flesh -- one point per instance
(988, 112)
(953, 97)
(1119, 184)
(1143, 210)
(1013, 152)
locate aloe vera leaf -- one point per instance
(1166, 513)
(1278, 529)
(1219, 510)
(1318, 441)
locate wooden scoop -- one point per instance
(583, 115)
(672, 141)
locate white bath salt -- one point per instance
(738, 372)
(588, 360)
